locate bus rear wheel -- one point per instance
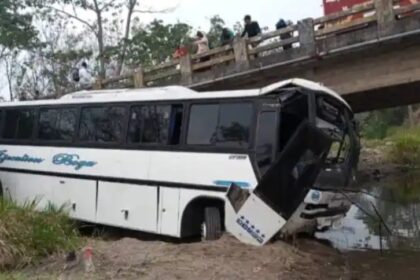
(212, 224)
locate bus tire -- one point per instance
(212, 225)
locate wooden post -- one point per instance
(307, 36)
(185, 65)
(240, 48)
(138, 78)
(385, 16)
(98, 84)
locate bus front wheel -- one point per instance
(212, 224)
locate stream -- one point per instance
(373, 250)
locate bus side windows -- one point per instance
(19, 124)
(57, 124)
(226, 125)
(266, 137)
(202, 128)
(102, 124)
(155, 124)
(234, 124)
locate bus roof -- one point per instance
(170, 93)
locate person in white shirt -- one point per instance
(85, 77)
(202, 43)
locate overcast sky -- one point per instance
(267, 12)
(197, 14)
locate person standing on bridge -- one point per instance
(252, 28)
(283, 24)
(202, 47)
(202, 43)
(226, 37)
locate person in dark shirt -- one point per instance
(283, 24)
(252, 28)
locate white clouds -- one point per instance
(267, 12)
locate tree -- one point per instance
(46, 69)
(72, 10)
(16, 30)
(100, 24)
(156, 42)
(216, 26)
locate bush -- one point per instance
(27, 235)
(406, 148)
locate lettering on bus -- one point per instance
(4, 156)
(72, 160)
(251, 229)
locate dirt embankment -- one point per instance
(227, 258)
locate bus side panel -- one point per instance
(79, 197)
(27, 188)
(127, 205)
(169, 211)
(209, 169)
(76, 196)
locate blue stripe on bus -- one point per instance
(223, 183)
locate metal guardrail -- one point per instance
(303, 37)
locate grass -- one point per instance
(27, 235)
(406, 147)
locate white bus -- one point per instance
(161, 160)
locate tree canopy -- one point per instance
(16, 29)
(50, 38)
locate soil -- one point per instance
(227, 258)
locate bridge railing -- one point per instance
(305, 39)
(357, 17)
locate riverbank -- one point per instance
(128, 257)
(227, 258)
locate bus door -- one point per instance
(256, 217)
(169, 211)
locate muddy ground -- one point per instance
(227, 258)
(147, 258)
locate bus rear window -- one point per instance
(220, 124)
(102, 124)
(19, 124)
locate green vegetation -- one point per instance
(380, 124)
(26, 235)
(406, 147)
(389, 132)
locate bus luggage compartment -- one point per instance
(254, 217)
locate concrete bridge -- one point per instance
(372, 61)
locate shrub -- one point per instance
(27, 235)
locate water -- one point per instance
(397, 200)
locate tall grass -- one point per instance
(26, 235)
(406, 147)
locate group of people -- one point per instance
(251, 29)
(83, 76)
